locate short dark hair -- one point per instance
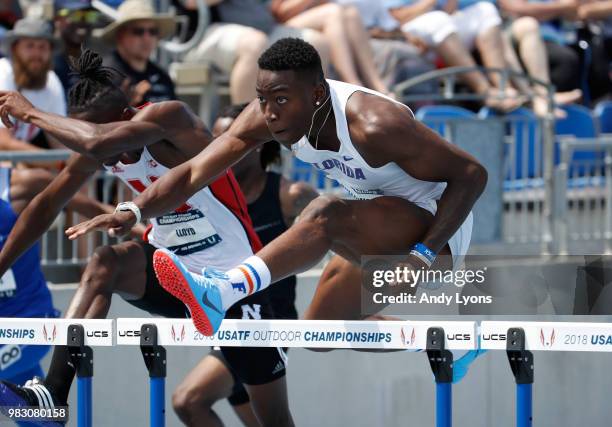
(95, 89)
(292, 54)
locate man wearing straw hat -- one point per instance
(29, 71)
(135, 35)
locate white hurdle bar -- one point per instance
(390, 335)
(519, 339)
(405, 335)
(78, 334)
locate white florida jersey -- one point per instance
(350, 169)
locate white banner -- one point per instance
(551, 336)
(98, 332)
(406, 335)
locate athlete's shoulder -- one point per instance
(373, 118)
(174, 116)
(165, 110)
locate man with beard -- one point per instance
(28, 70)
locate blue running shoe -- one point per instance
(200, 293)
(33, 394)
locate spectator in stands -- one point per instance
(29, 71)
(564, 62)
(453, 32)
(74, 20)
(396, 58)
(135, 35)
(563, 31)
(240, 30)
(351, 54)
(523, 37)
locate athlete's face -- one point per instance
(287, 101)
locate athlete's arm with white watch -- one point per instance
(129, 207)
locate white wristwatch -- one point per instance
(129, 206)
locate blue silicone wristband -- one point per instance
(425, 251)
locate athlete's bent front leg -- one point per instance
(351, 228)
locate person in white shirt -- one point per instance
(29, 70)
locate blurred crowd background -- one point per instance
(541, 67)
(374, 43)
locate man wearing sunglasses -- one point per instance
(135, 35)
(74, 21)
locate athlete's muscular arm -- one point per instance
(247, 132)
(171, 121)
(40, 213)
(387, 132)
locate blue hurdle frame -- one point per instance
(441, 362)
(155, 359)
(522, 365)
(82, 358)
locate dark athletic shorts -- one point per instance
(239, 394)
(251, 365)
(248, 365)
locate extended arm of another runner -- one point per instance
(174, 188)
(424, 155)
(40, 213)
(171, 121)
(44, 197)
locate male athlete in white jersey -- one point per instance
(416, 189)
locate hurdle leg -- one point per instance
(82, 358)
(521, 363)
(155, 359)
(441, 362)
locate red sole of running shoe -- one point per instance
(172, 280)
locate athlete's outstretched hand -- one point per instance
(116, 225)
(14, 104)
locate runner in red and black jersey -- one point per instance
(211, 228)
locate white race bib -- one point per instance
(187, 232)
(8, 286)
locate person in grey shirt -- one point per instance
(240, 30)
